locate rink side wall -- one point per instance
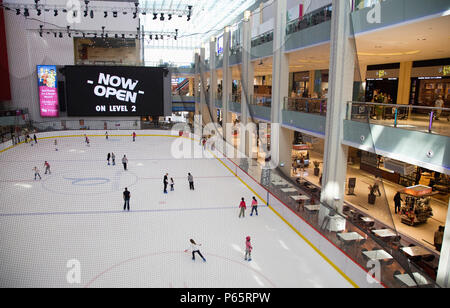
(348, 268)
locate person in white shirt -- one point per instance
(125, 162)
(439, 103)
(36, 173)
(195, 249)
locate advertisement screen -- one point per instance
(114, 91)
(48, 90)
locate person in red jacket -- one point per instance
(134, 136)
(243, 207)
(248, 249)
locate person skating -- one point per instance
(36, 173)
(125, 162)
(134, 136)
(107, 136)
(47, 168)
(254, 206)
(56, 144)
(113, 157)
(166, 182)
(243, 207)
(108, 158)
(248, 249)
(35, 139)
(172, 184)
(86, 139)
(195, 249)
(191, 181)
(126, 198)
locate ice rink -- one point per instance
(76, 213)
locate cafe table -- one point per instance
(350, 236)
(288, 190)
(377, 255)
(312, 207)
(367, 219)
(416, 251)
(385, 233)
(408, 281)
(300, 197)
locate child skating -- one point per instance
(172, 184)
(243, 207)
(86, 139)
(195, 249)
(55, 143)
(254, 206)
(108, 158)
(36, 173)
(47, 168)
(248, 249)
(107, 136)
(113, 157)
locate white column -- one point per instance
(227, 80)
(203, 82)
(342, 65)
(246, 79)
(280, 77)
(198, 110)
(443, 275)
(212, 79)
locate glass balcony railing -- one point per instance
(311, 19)
(434, 120)
(262, 38)
(307, 105)
(261, 100)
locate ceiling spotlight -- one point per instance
(40, 31)
(106, 35)
(151, 37)
(56, 13)
(116, 35)
(17, 11)
(106, 14)
(162, 17)
(170, 16)
(55, 34)
(144, 13)
(84, 35)
(123, 35)
(60, 35)
(26, 12)
(95, 35)
(115, 14)
(188, 17)
(156, 37)
(92, 14)
(162, 37)
(155, 15)
(39, 12)
(134, 15)
(85, 13)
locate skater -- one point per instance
(195, 249)
(86, 140)
(172, 183)
(191, 181)
(376, 185)
(165, 182)
(126, 198)
(106, 134)
(108, 158)
(36, 173)
(397, 201)
(35, 139)
(56, 144)
(125, 162)
(204, 143)
(243, 207)
(47, 168)
(248, 249)
(113, 157)
(134, 136)
(254, 206)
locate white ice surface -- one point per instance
(43, 224)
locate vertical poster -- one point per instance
(48, 90)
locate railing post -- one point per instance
(431, 121)
(395, 119)
(349, 111)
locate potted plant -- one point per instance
(316, 168)
(372, 196)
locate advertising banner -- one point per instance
(48, 90)
(115, 91)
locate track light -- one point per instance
(92, 14)
(123, 35)
(162, 37)
(17, 11)
(188, 17)
(39, 12)
(106, 14)
(150, 37)
(60, 35)
(115, 14)
(84, 35)
(40, 31)
(155, 15)
(56, 13)
(55, 34)
(170, 16)
(26, 12)
(162, 17)
(85, 13)
(134, 15)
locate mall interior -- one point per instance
(350, 100)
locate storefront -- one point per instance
(382, 84)
(300, 84)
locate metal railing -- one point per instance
(307, 105)
(435, 120)
(261, 100)
(262, 38)
(311, 19)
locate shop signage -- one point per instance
(446, 70)
(399, 167)
(300, 147)
(418, 190)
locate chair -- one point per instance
(429, 258)
(389, 262)
(371, 224)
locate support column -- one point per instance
(195, 89)
(342, 67)
(203, 82)
(212, 79)
(247, 79)
(280, 78)
(404, 83)
(443, 275)
(227, 80)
